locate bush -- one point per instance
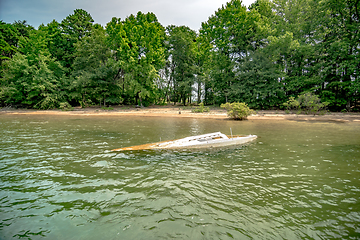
(306, 103)
(237, 111)
(48, 102)
(292, 103)
(65, 106)
(201, 109)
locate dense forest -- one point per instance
(261, 55)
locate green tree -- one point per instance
(232, 32)
(57, 41)
(95, 71)
(8, 40)
(204, 66)
(289, 42)
(218, 31)
(23, 28)
(202, 75)
(181, 61)
(338, 62)
(259, 85)
(9, 37)
(138, 45)
(74, 27)
(32, 78)
(320, 48)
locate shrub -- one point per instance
(292, 103)
(306, 103)
(201, 109)
(237, 111)
(65, 106)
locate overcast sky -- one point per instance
(190, 13)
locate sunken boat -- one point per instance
(210, 140)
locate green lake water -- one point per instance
(58, 180)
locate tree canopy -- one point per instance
(263, 55)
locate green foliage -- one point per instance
(181, 61)
(262, 56)
(292, 103)
(8, 40)
(229, 33)
(283, 48)
(237, 111)
(138, 47)
(306, 103)
(65, 106)
(95, 72)
(311, 103)
(57, 42)
(107, 108)
(200, 109)
(74, 28)
(32, 79)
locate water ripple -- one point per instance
(58, 179)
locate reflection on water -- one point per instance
(58, 179)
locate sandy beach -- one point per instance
(184, 112)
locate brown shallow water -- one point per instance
(58, 180)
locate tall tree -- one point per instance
(338, 50)
(8, 41)
(32, 78)
(322, 55)
(182, 56)
(9, 37)
(57, 41)
(95, 71)
(74, 28)
(138, 43)
(232, 34)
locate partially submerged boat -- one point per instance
(209, 140)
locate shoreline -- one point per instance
(183, 112)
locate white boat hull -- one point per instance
(211, 140)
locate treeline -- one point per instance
(262, 56)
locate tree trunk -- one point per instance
(199, 92)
